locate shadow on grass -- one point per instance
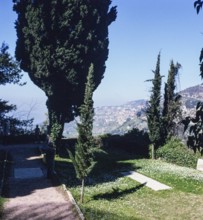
(116, 193)
(109, 167)
(92, 214)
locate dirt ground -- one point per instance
(33, 196)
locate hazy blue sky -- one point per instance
(142, 29)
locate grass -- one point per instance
(110, 196)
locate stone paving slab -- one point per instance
(27, 173)
(153, 184)
(200, 164)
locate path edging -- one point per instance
(70, 196)
(73, 202)
(4, 170)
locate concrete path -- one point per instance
(153, 184)
(30, 194)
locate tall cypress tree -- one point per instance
(172, 104)
(153, 110)
(161, 117)
(83, 160)
(57, 42)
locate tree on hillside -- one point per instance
(83, 160)
(153, 111)
(57, 42)
(172, 103)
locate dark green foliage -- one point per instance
(9, 68)
(198, 5)
(162, 120)
(172, 103)
(135, 142)
(10, 73)
(57, 42)
(195, 129)
(83, 160)
(153, 111)
(174, 151)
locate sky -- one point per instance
(142, 30)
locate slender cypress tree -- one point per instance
(161, 118)
(153, 110)
(172, 104)
(83, 160)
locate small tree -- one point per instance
(83, 160)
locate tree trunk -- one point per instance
(82, 191)
(153, 152)
(59, 112)
(56, 126)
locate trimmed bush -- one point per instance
(135, 142)
(174, 151)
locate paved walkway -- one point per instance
(153, 184)
(30, 194)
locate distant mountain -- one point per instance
(191, 96)
(120, 119)
(115, 119)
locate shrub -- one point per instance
(135, 141)
(174, 151)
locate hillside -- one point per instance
(115, 119)
(190, 97)
(122, 118)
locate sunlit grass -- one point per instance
(109, 195)
(179, 178)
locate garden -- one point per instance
(110, 195)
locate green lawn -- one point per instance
(110, 196)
